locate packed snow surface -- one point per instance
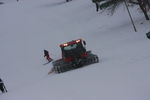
(28, 27)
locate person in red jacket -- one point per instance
(46, 54)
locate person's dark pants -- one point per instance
(2, 88)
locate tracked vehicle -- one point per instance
(74, 55)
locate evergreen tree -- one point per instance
(68, 0)
(144, 6)
(113, 4)
(97, 4)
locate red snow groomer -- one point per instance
(74, 55)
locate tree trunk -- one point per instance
(97, 6)
(143, 9)
(148, 3)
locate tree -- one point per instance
(97, 4)
(113, 4)
(68, 0)
(143, 6)
(1, 3)
(148, 3)
(104, 4)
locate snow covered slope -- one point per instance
(28, 27)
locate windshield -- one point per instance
(70, 47)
